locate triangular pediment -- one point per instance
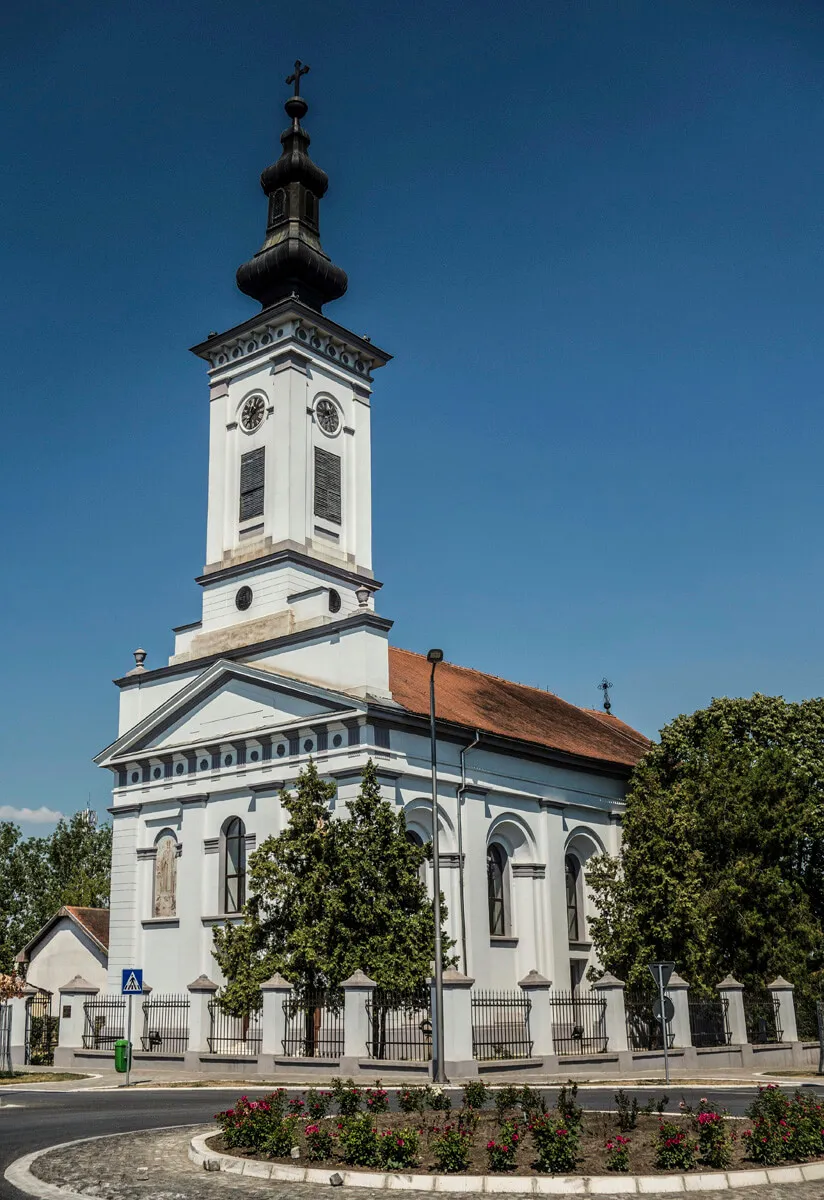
(225, 701)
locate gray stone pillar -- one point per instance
(73, 996)
(733, 992)
(611, 989)
(782, 991)
(538, 990)
(678, 991)
(357, 990)
(17, 1044)
(276, 991)
(459, 1060)
(201, 991)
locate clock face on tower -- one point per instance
(327, 416)
(252, 414)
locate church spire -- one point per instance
(291, 260)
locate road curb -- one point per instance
(520, 1185)
(19, 1173)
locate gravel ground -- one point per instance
(155, 1166)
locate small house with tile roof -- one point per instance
(75, 941)
(290, 659)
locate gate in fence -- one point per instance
(41, 1029)
(400, 1025)
(104, 1021)
(314, 1024)
(236, 1036)
(578, 1023)
(643, 1027)
(165, 1024)
(709, 1023)
(5, 1039)
(762, 1018)
(500, 1025)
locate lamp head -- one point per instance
(435, 656)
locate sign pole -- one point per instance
(663, 1023)
(129, 1040)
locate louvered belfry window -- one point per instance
(327, 485)
(251, 483)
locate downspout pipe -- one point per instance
(461, 791)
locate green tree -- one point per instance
(40, 874)
(722, 862)
(328, 897)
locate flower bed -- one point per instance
(509, 1131)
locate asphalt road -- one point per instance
(40, 1119)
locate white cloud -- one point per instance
(29, 816)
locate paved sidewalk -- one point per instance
(155, 1166)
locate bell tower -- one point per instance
(289, 523)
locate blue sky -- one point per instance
(590, 233)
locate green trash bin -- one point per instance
(122, 1055)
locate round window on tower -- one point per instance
(334, 601)
(243, 599)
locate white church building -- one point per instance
(291, 659)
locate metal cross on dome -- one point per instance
(300, 69)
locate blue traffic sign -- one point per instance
(132, 982)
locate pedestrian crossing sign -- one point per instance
(132, 983)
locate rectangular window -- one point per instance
(327, 485)
(251, 483)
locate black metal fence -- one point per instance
(806, 1017)
(762, 1018)
(104, 1021)
(400, 1025)
(643, 1027)
(237, 1036)
(165, 1024)
(709, 1023)
(578, 1023)
(314, 1024)
(42, 1027)
(500, 1025)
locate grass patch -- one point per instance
(39, 1077)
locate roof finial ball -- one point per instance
(139, 659)
(604, 687)
(296, 107)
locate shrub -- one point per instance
(451, 1149)
(532, 1102)
(377, 1099)
(570, 1113)
(398, 1149)
(617, 1153)
(502, 1153)
(249, 1123)
(415, 1099)
(652, 1106)
(505, 1099)
(766, 1142)
(673, 1151)
(439, 1100)
(319, 1143)
(318, 1103)
(349, 1101)
(771, 1105)
(475, 1094)
(627, 1110)
(280, 1138)
(358, 1141)
(556, 1144)
(806, 1133)
(296, 1107)
(714, 1140)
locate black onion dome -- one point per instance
(291, 260)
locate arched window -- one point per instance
(572, 869)
(165, 875)
(496, 888)
(234, 865)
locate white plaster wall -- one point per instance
(64, 952)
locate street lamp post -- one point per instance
(434, 657)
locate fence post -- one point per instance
(273, 1018)
(458, 1054)
(536, 989)
(201, 991)
(73, 996)
(611, 989)
(17, 1033)
(782, 991)
(733, 992)
(357, 990)
(679, 993)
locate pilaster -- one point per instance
(201, 991)
(782, 991)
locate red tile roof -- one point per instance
(94, 920)
(477, 701)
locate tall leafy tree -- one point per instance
(722, 863)
(328, 897)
